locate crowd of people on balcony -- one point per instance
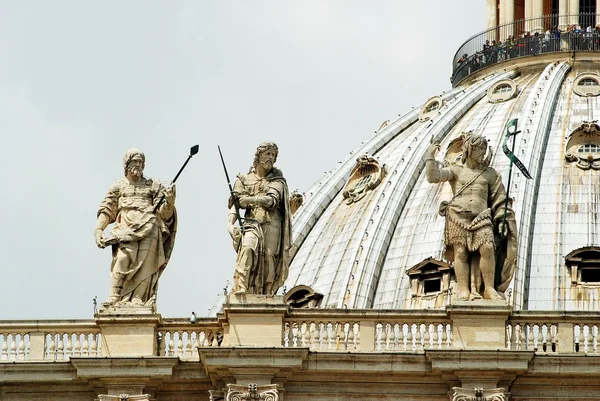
(527, 44)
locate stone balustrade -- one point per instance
(553, 332)
(180, 338)
(48, 339)
(366, 330)
(323, 330)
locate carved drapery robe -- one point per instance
(264, 249)
(146, 238)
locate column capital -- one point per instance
(237, 392)
(479, 394)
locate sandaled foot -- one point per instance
(490, 293)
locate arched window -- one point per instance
(432, 107)
(503, 88)
(589, 148)
(502, 91)
(588, 82)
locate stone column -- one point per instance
(538, 13)
(528, 15)
(563, 10)
(492, 11)
(574, 12)
(507, 14)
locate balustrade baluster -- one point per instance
(351, 336)
(77, 351)
(94, 345)
(434, 336)
(286, 334)
(86, 345)
(409, 337)
(444, 340)
(21, 348)
(69, 347)
(425, 336)
(196, 344)
(12, 353)
(188, 344)
(180, 343)
(4, 350)
(295, 334)
(60, 349)
(314, 335)
(396, 330)
(304, 331)
(379, 328)
(589, 340)
(52, 347)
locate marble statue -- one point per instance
(480, 223)
(263, 243)
(142, 238)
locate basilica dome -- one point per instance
(369, 234)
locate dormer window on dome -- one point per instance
(365, 176)
(430, 280)
(583, 146)
(587, 85)
(430, 108)
(502, 91)
(584, 265)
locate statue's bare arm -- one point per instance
(432, 170)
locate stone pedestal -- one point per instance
(128, 335)
(479, 324)
(253, 320)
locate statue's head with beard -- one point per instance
(263, 147)
(136, 169)
(474, 146)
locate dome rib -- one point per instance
(531, 149)
(323, 192)
(377, 245)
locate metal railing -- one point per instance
(526, 37)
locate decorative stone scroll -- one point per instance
(236, 392)
(124, 397)
(478, 394)
(366, 175)
(583, 146)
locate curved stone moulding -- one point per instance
(297, 268)
(535, 124)
(324, 192)
(371, 261)
(370, 250)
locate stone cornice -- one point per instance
(477, 360)
(147, 367)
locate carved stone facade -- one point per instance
(366, 175)
(583, 146)
(478, 394)
(252, 392)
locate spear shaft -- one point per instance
(234, 197)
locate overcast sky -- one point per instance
(82, 81)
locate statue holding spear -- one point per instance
(480, 234)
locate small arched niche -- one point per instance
(583, 146)
(430, 108)
(502, 91)
(587, 84)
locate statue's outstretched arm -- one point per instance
(432, 170)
